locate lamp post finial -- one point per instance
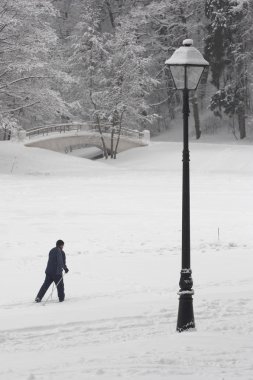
(187, 42)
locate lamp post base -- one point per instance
(185, 319)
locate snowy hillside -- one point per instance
(121, 223)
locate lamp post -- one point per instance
(186, 66)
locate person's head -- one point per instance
(60, 244)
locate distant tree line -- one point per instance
(103, 60)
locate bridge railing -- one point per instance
(108, 128)
(68, 127)
(58, 128)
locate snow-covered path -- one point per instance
(121, 221)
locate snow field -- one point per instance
(121, 221)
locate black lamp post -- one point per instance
(186, 66)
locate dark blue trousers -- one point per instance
(48, 281)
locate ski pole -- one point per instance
(51, 294)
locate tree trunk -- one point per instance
(202, 88)
(194, 101)
(241, 123)
(102, 138)
(110, 12)
(95, 108)
(117, 143)
(112, 137)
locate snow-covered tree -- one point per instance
(111, 69)
(162, 26)
(27, 61)
(227, 53)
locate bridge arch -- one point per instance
(61, 139)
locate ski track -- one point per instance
(89, 339)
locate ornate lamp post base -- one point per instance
(185, 319)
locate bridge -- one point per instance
(65, 138)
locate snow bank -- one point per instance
(15, 158)
(209, 158)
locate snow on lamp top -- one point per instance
(187, 55)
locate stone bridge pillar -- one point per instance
(146, 137)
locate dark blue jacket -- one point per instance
(56, 262)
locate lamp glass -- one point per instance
(186, 76)
(193, 76)
(178, 74)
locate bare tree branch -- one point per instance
(21, 79)
(2, 27)
(5, 72)
(162, 102)
(20, 108)
(7, 93)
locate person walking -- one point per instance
(55, 265)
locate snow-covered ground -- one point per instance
(121, 223)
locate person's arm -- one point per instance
(64, 262)
(60, 261)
